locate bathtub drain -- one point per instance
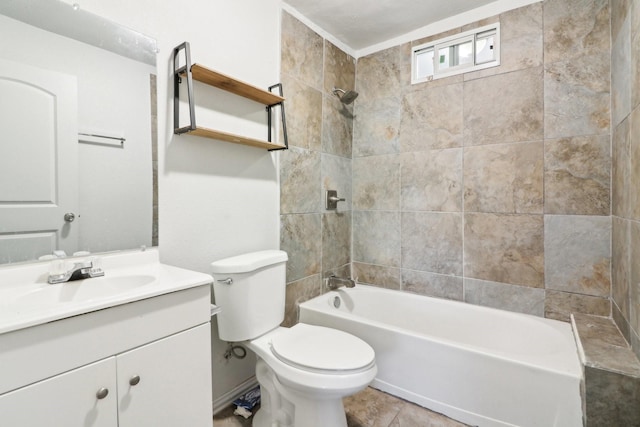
(336, 302)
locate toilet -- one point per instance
(304, 371)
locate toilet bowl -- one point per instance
(304, 371)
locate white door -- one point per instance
(38, 161)
(167, 383)
(84, 397)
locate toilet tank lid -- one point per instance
(248, 262)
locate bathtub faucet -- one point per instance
(334, 282)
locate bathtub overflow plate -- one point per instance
(336, 302)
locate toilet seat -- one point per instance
(323, 350)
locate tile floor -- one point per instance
(369, 408)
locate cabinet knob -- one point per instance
(134, 380)
(102, 393)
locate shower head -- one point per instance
(347, 97)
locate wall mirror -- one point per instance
(78, 133)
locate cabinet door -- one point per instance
(174, 387)
(66, 400)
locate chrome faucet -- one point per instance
(80, 270)
(334, 282)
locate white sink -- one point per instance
(83, 290)
(26, 299)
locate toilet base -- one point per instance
(284, 407)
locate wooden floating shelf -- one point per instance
(229, 137)
(221, 81)
(230, 84)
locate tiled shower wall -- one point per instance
(492, 187)
(319, 158)
(625, 75)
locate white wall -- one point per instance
(215, 199)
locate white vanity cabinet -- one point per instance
(153, 356)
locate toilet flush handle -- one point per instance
(227, 281)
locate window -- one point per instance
(461, 53)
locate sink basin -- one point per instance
(83, 290)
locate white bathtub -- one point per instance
(478, 365)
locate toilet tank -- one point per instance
(250, 289)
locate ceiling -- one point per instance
(362, 23)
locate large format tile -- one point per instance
(569, 35)
(505, 178)
(521, 41)
(339, 69)
(378, 74)
(298, 292)
(376, 126)
(612, 399)
(337, 127)
(299, 181)
(376, 237)
(634, 163)
(371, 408)
(433, 285)
(504, 108)
(376, 182)
(634, 274)
(621, 72)
(577, 175)
(521, 299)
(431, 119)
(577, 97)
(377, 275)
(301, 238)
(302, 51)
(431, 180)
(620, 267)
(336, 240)
(336, 175)
(432, 242)
(621, 170)
(560, 305)
(303, 108)
(577, 254)
(504, 248)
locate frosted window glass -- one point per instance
(424, 63)
(485, 51)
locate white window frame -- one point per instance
(447, 42)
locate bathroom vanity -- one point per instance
(132, 348)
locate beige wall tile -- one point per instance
(301, 238)
(634, 164)
(432, 242)
(376, 238)
(378, 75)
(577, 175)
(301, 52)
(336, 240)
(621, 170)
(577, 254)
(576, 96)
(339, 69)
(336, 175)
(376, 127)
(521, 299)
(634, 275)
(299, 181)
(621, 72)
(431, 119)
(303, 111)
(433, 285)
(504, 248)
(575, 28)
(620, 267)
(431, 180)
(505, 178)
(376, 183)
(337, 127)
(298, 292)
(504, 108)
(559, 305)
(377, 275)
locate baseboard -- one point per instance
(225, 400)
